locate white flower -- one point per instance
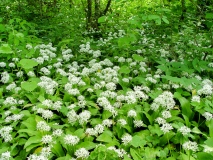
(47, 114)
(31, 74)
(12, 65)
(5, 155)
(71, 140)
(19, 74)
(122, 122)
(166, 127)
(5, 77)
(57, 132)
(196, 99)
(82, 153)
(84, 117)
(91, 131)
(43, 126)
(208, 116)
(184, 130)
(207, 149)
(2, 64)
(127, 138)
(47, 139)
(99, 128)
(107, 122)
(190, 146)
(166, 114)
(138, 123)
(131, 113)
(160, 120)
(11, 86)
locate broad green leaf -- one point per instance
(124, 69)
(138, 141)
(135, 154)
(102, 19)
(209, 15)
(87, 144)
(67, 157)
(204, 156)
(30, 123)
(57, 149)
(137, 57)
(5, 48)
(29, 85)
(104, 137)
(32, 140)
(209, 142)
(28, 63)
(165, 20)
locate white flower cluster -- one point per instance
(5, 156)
(82, 153)
(66, 54)
(85, 48)
(5, 77)
(196, 98)
(48, 84)
(71, 140)
(193, 146)
(120, 152)
(2, 64)
(166, 127)
(208, 116)
(184, 130)
(10, 101)
(36, 157)
(207, 88)
(103, 102)
(164, 100)
(126, 139)
(15, 117)
(46, 114)
(43, 126)
(5, 133)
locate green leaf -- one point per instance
(135, 154)
(30, 85)
(204, 156)
(28, 63)
(30, 123)
(138, 141)
(209, 15)
(58, 150)
(165, 20)
(209, 142)
(87, 144)
(124, 69)
(102, 19)
(104, 137)
(32, 140)
(5, 48)
(137, 57)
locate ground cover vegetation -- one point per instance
(106, 79)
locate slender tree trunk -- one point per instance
(89, 13)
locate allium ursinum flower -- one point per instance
(127, 138)
(48, 84)
(131, 113)
(31, 74)
(107, 122)
(206, 90)
(166, 114)
(12, 65)
(82, 153)
(207, 149)
(57, 132)
(72, 116)
(2, 64)
(84, 116)
(15, 117)
(166, 127)
(29, 46)
(196, 98)
(42, 126)
(47, 114)
(57, 105)
(193, 146)
(120, 98)
(10, 101)
(72, 106)
(120, 152)
(210, 65)
(121, 59)
(11, 86)
(108, 94)
(82, 103)
(47, 139)
(207, 115)
(126, 80)
(152, 80)
(184, 130)
(122, 122)
(5, 156)
(48, 103)
(164, 100)
(5, 133)
(36, 157)
(138, 123)
(5, 77)
(45, 71)
(19, 74)
(71, 140)
(99, 128)
(46, 151)
(141, 95)
(131, 99)
(91, 131)
(61, 72)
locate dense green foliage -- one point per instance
(106, 79)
